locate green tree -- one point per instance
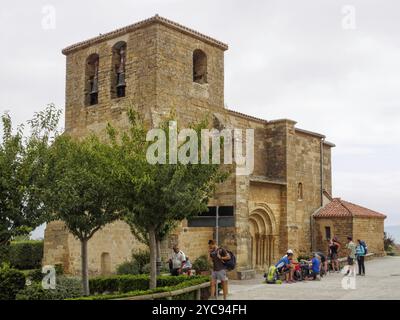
(22, 161)
(157, 196)
(80, 190)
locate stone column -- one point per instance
(243, 236)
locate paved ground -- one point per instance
(381, 282)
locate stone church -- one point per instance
(158, 65)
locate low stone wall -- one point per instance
(368, 257)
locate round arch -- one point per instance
(263, 233)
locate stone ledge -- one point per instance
(243, 275)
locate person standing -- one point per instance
(334, 247)
(360, 253)
(324, 263)
(177, 261)
(351, 246)
(218, 257)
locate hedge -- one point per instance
(4, 254)
(129, 283)
(26, 255)
(67, 287)
(187, 282)
(11, 282)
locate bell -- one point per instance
(121, 80)
(94, 88)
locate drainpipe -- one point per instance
(312, 222)
(322, 171)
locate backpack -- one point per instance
(231, 263)
(272, 276)
(364, 245)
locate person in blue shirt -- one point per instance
(315, 266)
(285, 265)
(360, 254)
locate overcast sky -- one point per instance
(304, 60)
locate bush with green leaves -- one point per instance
(128, 283)
(4, 254)
(67, 287)
(140, 264)
(34, 275)
(167, 284)
(26, 255)
(11, 282)
(201, 264)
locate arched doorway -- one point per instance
(262, 230)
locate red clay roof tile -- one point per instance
(339, 208)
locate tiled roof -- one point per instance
(339, 208)
(141, 24)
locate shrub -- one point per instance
(59, 269)
(128, 283)
(388, 242)
(130, 267)
(11, 282)
(201, 264)
(304, 257)
(26, 255)
(138, 265)
(4, 254)
(142, 257)
(34, 275)
(66, 288)
(184, 283)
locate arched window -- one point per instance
(300, 194)
(118, 86)
(199, 67)
(92, 80)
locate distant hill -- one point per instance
(394, 231)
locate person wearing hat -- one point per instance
(286, 266)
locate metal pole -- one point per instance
(217, 240)
(217, 227)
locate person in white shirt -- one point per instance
(177, 261)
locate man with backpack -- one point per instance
(221, 262)
(361, 251)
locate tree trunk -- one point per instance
(158, 261)
(85, 271)
(153, 258)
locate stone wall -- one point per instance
(113, 243)
(370, 230)
(340, 227)
(308, 176)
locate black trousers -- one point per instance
(361, 265)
